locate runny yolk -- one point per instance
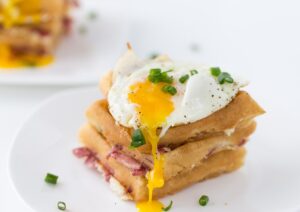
(20, 11)
(153, 107)
(9, 60)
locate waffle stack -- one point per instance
(192, 153)
(33, 26)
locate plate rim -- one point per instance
(9, 157)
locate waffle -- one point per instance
(240, 111)
(183, 166)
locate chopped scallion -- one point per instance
(169, 89)
(168, 207)
(203, 200)
(156, 76)
(193, 72)
(184, 78)
(225, 77)
(61, 206)
(138, 139)
(215, 71)
(51, 178)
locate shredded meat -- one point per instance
(91, 159)
(137, 168)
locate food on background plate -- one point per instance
(164, 126)
(30, 30)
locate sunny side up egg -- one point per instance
(198, 97)
(160, 93)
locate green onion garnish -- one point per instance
(156, 76)
(203, 200)
(166, 78)
(193, 72)
(168, 207)
(61, 206)
(225, 77)
(138, 139)
(92, 15)
(184, 78)
(169, 89)
(215, 71)
(51, 178)
(221, 76)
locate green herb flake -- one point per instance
(184, 78)
(138, 139)
(193, 72)
(92, 15)
(156, 76)
(225, 77)
(51, 179)
(61, 206)
(168, 207)
(215, 71)
(166, 78)
(203, 200)
(169, 89)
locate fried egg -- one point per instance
(197, 98)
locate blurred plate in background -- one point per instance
(81, 57)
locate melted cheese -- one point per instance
(8, 60)
(153, 107)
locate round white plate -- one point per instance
(269, 181)
(81, 57)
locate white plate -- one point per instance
(269, 181)
(80, 57)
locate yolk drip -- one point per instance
(153, 107)
(9, 60)
(153, 206)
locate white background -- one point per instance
(259, 39)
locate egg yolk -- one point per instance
(153, 206)
(9, 60)
(153, 107)
(19, 11)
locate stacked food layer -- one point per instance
(32, 26)
(192, 151)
